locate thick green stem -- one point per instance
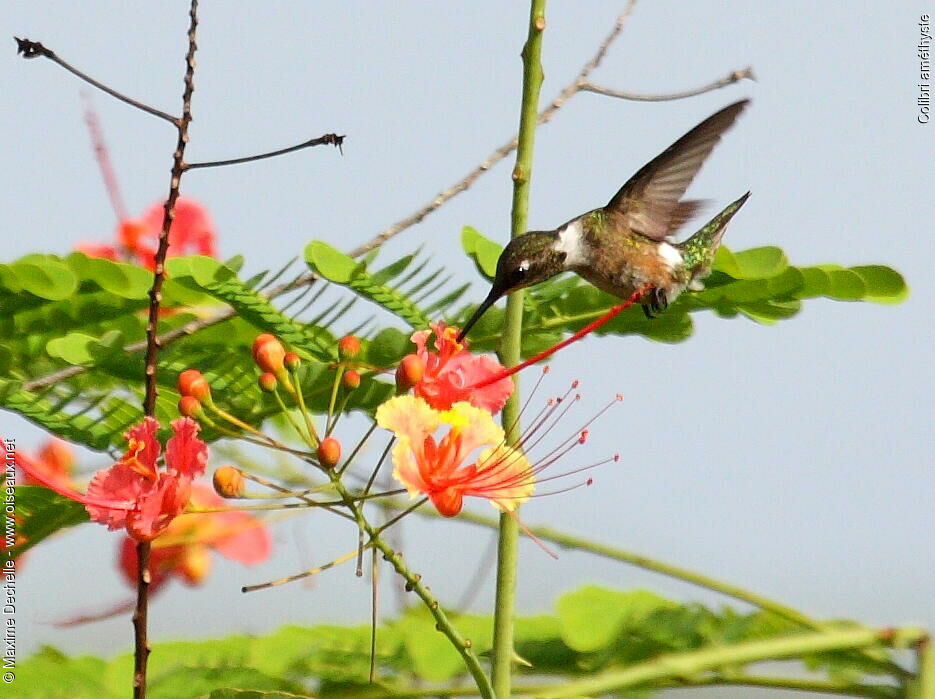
(505, 609)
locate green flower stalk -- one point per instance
(505, 609)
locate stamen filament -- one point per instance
(590, 327)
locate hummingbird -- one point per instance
(625, 245)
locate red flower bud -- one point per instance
(189, 406)
(329, 452)
(409, 372)
(350, 379)
(267, 382)
(193, 383)
(348, 347)
(292, 361)
(260, 341)
(268, 353)
(228, 482)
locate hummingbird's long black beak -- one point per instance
(491, 299)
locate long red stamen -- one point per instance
(103, 161)
(590, 327)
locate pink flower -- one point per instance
(183, 550)
(452, 371)
(134, 493)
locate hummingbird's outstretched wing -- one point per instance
(650, 202)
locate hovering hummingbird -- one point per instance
(623, 246)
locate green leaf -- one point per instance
(78, 348)
(760, 263)
(41, 513)
(483, 251)
(335, 266)
(117, 278)
(593, 617)
(51, 674)
(883, 285)
(387, 347)
(329, 262)
(187, 682)
(308, 341)
(45, 276)
(845, 285)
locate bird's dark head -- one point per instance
(526, 260)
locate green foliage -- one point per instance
(338, 268)
(759, 284)
(597, 634)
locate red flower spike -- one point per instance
(350, 379)
(189, 406)
(329, 452)
(452, 372)
(348, 347)
(229, 482)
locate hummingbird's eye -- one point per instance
(518, 275)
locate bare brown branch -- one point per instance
(331, 139)
(141, 654)
(731, 78)
(35, 49)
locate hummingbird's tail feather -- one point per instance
(698, 251)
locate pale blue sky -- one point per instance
(795, 459)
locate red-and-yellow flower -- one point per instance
(134, 493)
(452, 371)
(439, 469)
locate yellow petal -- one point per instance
(408, 416)
(406, 468)
(475, 427)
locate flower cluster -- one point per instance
(135, 493)
(192, 232)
